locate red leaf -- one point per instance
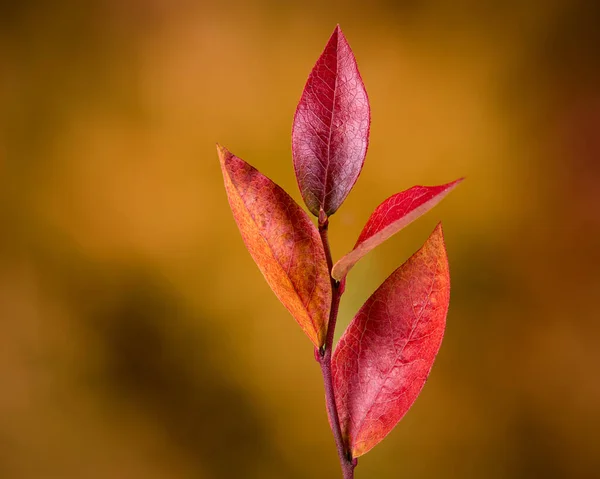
(331, 128)
(384, 357)
(390, 217)
(283, 242)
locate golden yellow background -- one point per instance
(137, 337)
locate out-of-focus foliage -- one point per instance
(138, 337)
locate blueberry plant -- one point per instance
(384, 357)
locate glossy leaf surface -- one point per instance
(283, 242)
(389, 217)
(384, 357)
(331, 128)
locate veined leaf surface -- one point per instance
(283, 242)
(384, 357)
(395, 213)
(330, 134)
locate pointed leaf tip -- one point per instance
(283, 242)
(395, 213)
(222, 152)
(384, 357)
(330, 134)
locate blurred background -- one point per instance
(139, 340)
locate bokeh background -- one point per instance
(137, 337)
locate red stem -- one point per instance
(323, 356)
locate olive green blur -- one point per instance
(137, 337)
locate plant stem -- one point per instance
(323, 356)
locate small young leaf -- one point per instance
(384, 357)
(283, 242)
(390, 217)
(331, 128)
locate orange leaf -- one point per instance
(384, 357)
(283, 242)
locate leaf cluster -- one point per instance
(384, 357)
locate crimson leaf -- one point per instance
(386, 354)
(330, 134)
(390, 217)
